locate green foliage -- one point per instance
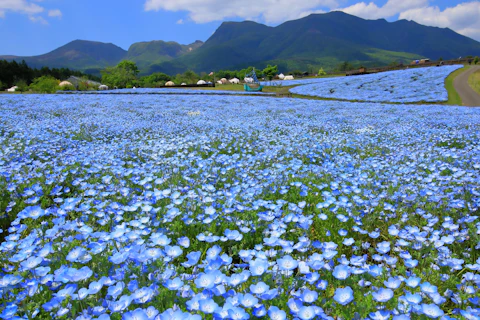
(322, 72)
(11, 73)
(68, 87)
(86, 86)
(124, 75)
(345, 66)
(45, 84)
(270, 71)
(155, 80)
(2, 86)
(475, 60)
(22, 85)
(187, 77)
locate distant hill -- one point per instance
(322, 40)
(93, 56)
(319, 40)
(147, 53)
(78, 54)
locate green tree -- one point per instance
(124, 75)
(475, 60)
(321, 72)
(22, 85)
(2, 86)
(155, 80)
(270, 72)
(345, 66)
(45, 84)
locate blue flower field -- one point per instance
(230, 207)
(410, 85)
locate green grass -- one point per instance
(453, 96)
(474, 81)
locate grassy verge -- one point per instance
(474, 81)
(453, 96)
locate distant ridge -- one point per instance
(318, 40)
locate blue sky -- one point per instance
(32, 27)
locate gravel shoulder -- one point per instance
(469, 97)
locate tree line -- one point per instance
(19, 74)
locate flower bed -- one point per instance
(187, 207)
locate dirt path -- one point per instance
(469, 97)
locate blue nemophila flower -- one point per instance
(276, 314)
(432, 311)
(341, 272)
(31, 263)
(137, 314)
(206, 281)
(306, 313)
(258, 267)
(287, 263)
(382, 295)
(343, 296)
(34, 212)
(208, 306)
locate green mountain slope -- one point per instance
(322, 40)
(152, 52)
(78, 54)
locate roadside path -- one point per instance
(469, 97)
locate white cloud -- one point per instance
(20, 6)
(391, 8)
(38, 19)
(180, 21)
(270, 11)
(463, 18)
(55, 13)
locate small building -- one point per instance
(65, 83)
(12, 89)
(362, 70)
(103, 87)
(169, 84)
(289, 78)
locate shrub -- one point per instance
(22, 86)
(475, 60)
(322, 72)
(45, 84)
(68, 87)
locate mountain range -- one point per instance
(318, 40)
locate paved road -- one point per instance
(469, 97)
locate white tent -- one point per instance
(201, 82)
(103, 87)
(12, 89)
(65, 83)
(224, 81)
(183, 84)
(289, 78)
(281, 76)
(235, 81)
(219, 82)
(170, 84)
(248, 80)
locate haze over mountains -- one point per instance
(319, 40)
